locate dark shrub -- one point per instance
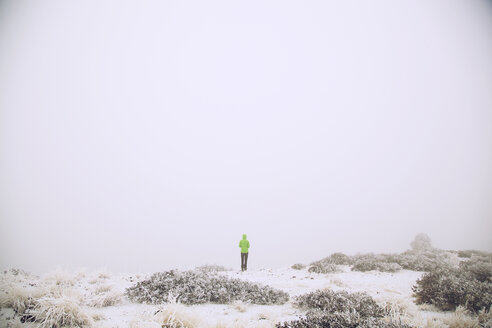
(211, 268)
(320, 319)
(480, 270)
(328, 309)
(448, 288)
(341, 301)
(465, 254)
(318, 267)
(330, 264)
(298, 266)
(471, 252)
(422, 261)
(190, 287)
(340, 259)
(369, 265)
(379, 262)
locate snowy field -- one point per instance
(100, 298)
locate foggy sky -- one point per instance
(148, 135)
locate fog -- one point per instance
(148, 135)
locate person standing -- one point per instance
(244, 245)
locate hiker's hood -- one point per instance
(244, 236)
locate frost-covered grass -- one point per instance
(109, 298)
(59, 312)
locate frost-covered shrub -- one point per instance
(474, 253)
(16, 272)
(319, 267)
(378, 262)
(448, 288)
(340, 259)
(422, 261)
(340, 301)
(465, 254)
(191, 287)
(347, 319)
(212, 268)
(330, 262)
(373, 264)
(479, 268)
(298, 266)
(329, 309)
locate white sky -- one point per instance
(148, 135)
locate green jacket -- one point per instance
(244, 244)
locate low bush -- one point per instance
(318, 267)
(329, 309)
(479, 268)
(340, 259)
(192, 287)
(320, 319)
(212, 268)
(298, 266)
(448, 288)
(330, 264)
(422, 261)
(375, 264)
(474, 253)
(340, 301)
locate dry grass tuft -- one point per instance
(136, 323)
(337, 282)
(98, 316)
(60, 277)
(175, 315)
(103, 274)
(18, 298)
(485, 318)
(461, 319)
(434, 323)
(240, 306)
(172, 315)
(110, 298)
(59, 312)
(102, 289)
(428, 308)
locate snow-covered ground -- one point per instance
(90, 289)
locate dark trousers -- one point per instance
(244, 261)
